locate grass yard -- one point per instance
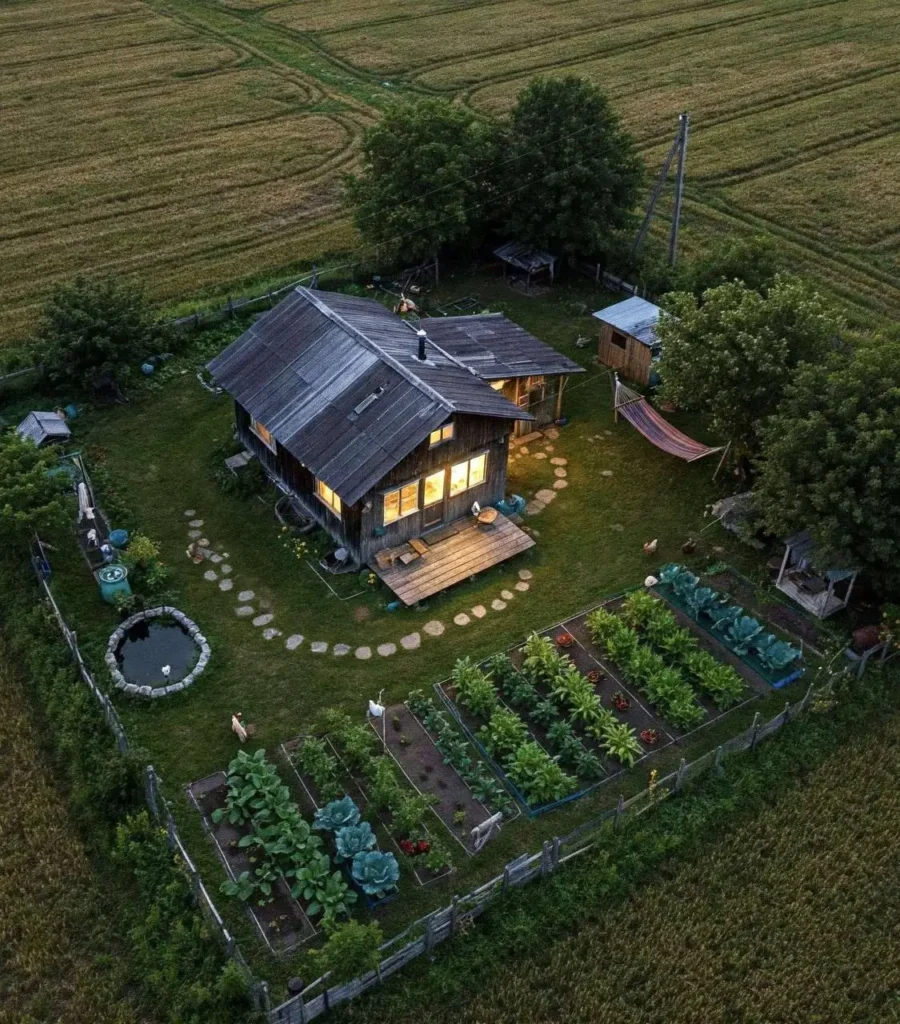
(790, 918)
(198, 145)
(159, 454)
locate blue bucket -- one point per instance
(118, 538)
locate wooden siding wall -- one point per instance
(633, 362)
(356, 529)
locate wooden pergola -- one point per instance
(822, 592)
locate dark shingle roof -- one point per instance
(496, 348)
(337, 382)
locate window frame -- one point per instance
(468, 464)
(447, 432)
(330, 505)
(398, 490)
(256, 427)
(442, 473)
(615, 334)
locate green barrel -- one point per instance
(113, 579)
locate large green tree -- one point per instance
(425, 180)
(30, 498)
(831, 462)
(570, 173)
(731, 355)
(751, 259)
(90, 327)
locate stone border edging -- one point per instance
(193, 630)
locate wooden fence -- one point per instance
(422, 936)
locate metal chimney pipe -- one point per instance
(421, 335)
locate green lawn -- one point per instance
(158, 451)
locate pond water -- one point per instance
(151, 644)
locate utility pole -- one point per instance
(679, 148)
(684, 128)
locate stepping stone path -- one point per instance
(188, 512)
(210, 575)
(540, 455)
(318, 647)
(215, 559)
(559, 461)
(339, 650)
(523, 451)
(507, 595)
(560, 485)
(479, 611)
(411, 642)
(462, 619)
(386, 650)
(618, 527)
(193, 534)
(226, 570)
(533, 507)
(270, 634)
(606, 472)
(246, 595)
(293, 642)
(548, 447)
(196, 523)
(522, 586)
(498, 605)
(363, 653)
(526, 574)
(434, 627)
(263, 620)
(226, 585)
(559, 471)
(245, 611)
(545, 496)
(552, 433)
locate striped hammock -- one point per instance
(647, 421)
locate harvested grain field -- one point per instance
(197, 145)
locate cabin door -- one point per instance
(434, 499)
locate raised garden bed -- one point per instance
(282, 924)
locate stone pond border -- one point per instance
(193, 630)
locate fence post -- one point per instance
(807, 698)
(717, 763)
(429, 933)
(546, 862)
(620, 810)
(453, 914)
(754, 731)
(505, 885)
(555, 852)
(679, 778)
(150, 790)
(786, 714)
(230, 308)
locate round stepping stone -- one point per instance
(522, 586)
(270, 634)
(462, 619)
(434, 628)
(203, 542)
(226, 569)
(318, 647)
(188, 512)
(559, 462)
(523, 451)
(606, 472)
(498, 605)
(386, 650)
(548, 447)
(246, 595)
(339, 650)
(559, 471)
(540, 455)
(294, 641)
(210, 575)
(545, 496)
(609, 433)
(193, 534)
(534, 507)
(526, 574)
(263, 620)
(507, 595)
(559, 485)
(196, 522)
(245, 611)
(226, 585)
(479, 611)
(215, 559)
(552, 433)
(618, 527)
(411, 642)
(363, 653)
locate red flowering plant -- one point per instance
(565, 640)
(620, 702)
(651, 736)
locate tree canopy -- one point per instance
(93, 327)
(30, 499)
(573, 171)
(832, 464)
(751, 259)
(425, 181)
(732, 355)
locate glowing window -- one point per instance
(439, 436)
(465, 475)
(402, 501)
(327, 496)
(434, 488)
(263, 433)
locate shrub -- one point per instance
(473, 688)
(538, 775)
(503, 733)
(352, 949)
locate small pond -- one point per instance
(150, 644)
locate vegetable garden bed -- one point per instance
(282, 923)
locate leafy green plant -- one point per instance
(353, 839)
(701, 599)
(684, 583)
(537, 775)
(311, 878)
(503, 733)
(521, 693)
(560, 733)
(501, 669)
(321, 766)
(358, 744)
(775, 653)
(376, 873)
(638, 608)
(384, 789)
(544, 713)
(419, 704)
(454, 748)
(352, 949)
(669, 573)
(473, 688)
(542, 662)
(587, 765)
(741, 633)
(243, 888)
(409, 814)
(683, 710)
(438, 857)
(620, 741)
(724, 617)
(332, 899)
(337, 815)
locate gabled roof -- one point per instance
(337, 381)
(41, 427)
(636, 317)
(496, 348)
(525, 257)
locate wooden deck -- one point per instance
(453, 556)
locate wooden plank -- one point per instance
(419, 546)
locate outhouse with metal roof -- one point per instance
(628, 340)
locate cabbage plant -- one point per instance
(775, 653)
(353, 839)
(375, 872)
(336, 815)
(742, 631)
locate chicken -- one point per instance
(650, 547)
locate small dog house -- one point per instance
(628, 341)
(44, 428)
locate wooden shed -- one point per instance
(628, 341)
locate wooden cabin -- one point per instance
(628, 341)
(378, 433)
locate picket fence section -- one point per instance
(422, 936)
(158, 807)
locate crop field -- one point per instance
(791, 918)
(198, 144)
